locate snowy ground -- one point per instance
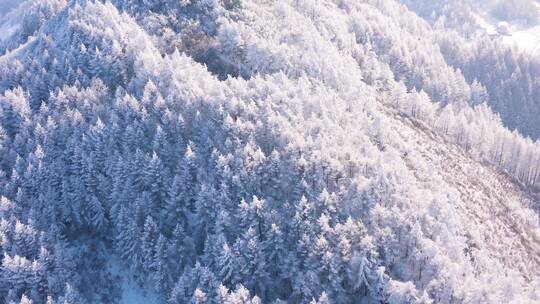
(527, 40)
(131, 292)
(489, 208)
(525, 37)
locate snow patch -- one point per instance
(485, 25)
(525, 38)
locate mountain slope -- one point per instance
(289, 151)
(509, 75)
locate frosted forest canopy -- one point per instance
(260, 151)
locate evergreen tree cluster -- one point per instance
(253, 152)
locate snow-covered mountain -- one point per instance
(494, 43)
(250, 151)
